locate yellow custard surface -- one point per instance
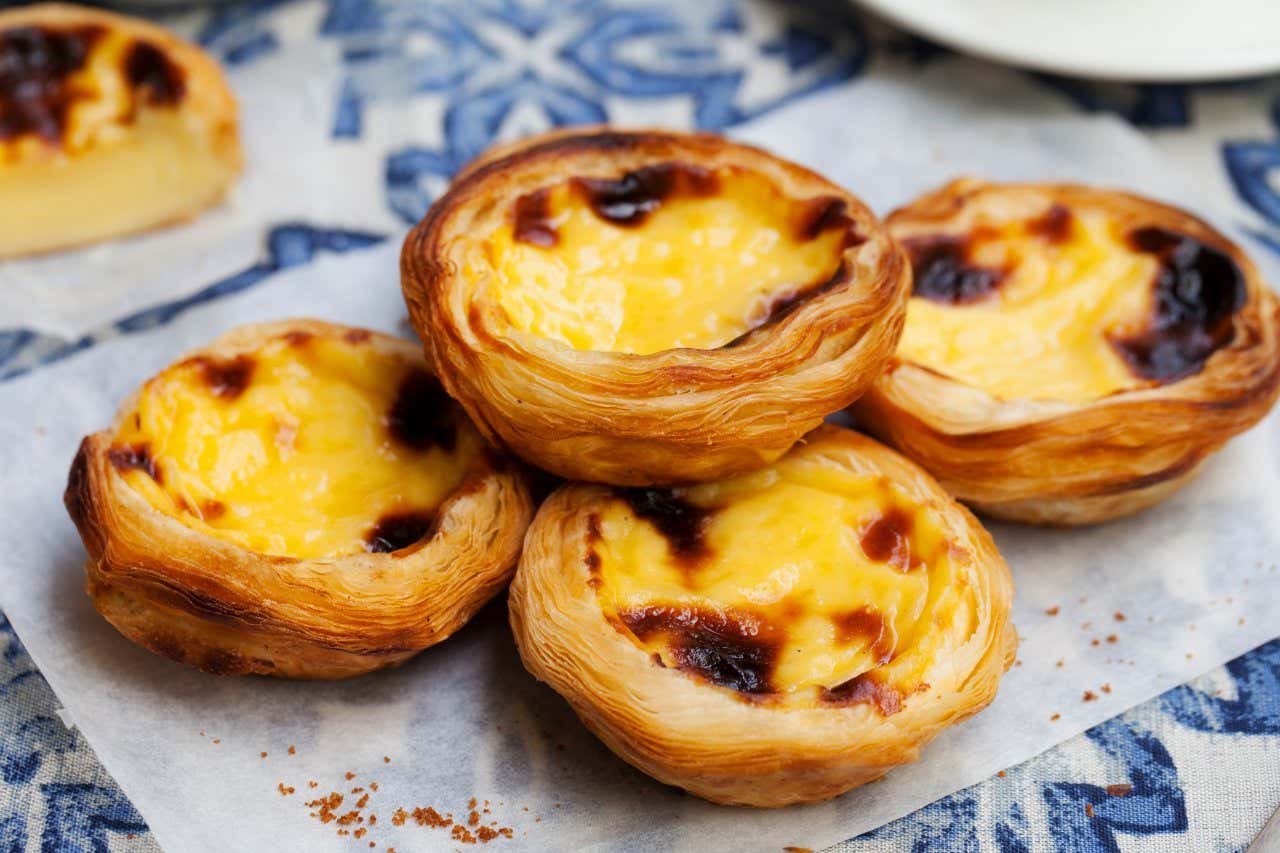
(697, 271)
(295, 449)
(837, 574)
(1042, 334)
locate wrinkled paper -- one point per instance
(1194, 580)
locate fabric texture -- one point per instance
(428, 84)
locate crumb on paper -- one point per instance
(292, 750)
(1119, 617)
(1055, 718)
(262, 754)
(1088, 809)
(1111, 638)
(1001, 774)
(1052, 611)
(1089, 696)
(1061, 663)
(1123, 789)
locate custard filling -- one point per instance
(795, 581)
(1069, 306)
(663, 257)
(307, 447)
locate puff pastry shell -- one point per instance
(718, 678)
(109, 125)
(191, 594)
(1084, 460)
(670, 415)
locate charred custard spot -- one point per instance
(823, 214)
(158, 80)
(1054, 225)
(135, 456)
(35, 62)
(788, 301)
(629, 200)
(728, 648)
(355, 337)
(944, 274)
(1198, 289)
(297, 337)
(887, 539)
(398, 530)
(864, 689)
(869, 626)
(681, 523)
(533, 223)
(212, 509)
(226, 378)
(422, 416)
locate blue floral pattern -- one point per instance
(491, 69)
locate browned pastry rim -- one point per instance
(1052, 462)
(225, 609)
(671, 416)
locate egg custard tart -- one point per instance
(108, 125)
(298, 499)
(777, 637)
(644, 308)
(1071, 354)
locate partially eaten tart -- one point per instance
(646, 308)
(108, 125)
(1071, 354)
(297, 499)
(772, 638)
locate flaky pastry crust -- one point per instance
(1062, 463)
(228, 610)
(674, 415)
(759, 750)
(78, 84)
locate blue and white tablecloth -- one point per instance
(427, 85)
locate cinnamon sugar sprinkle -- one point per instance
(347, 813)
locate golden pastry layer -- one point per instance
(778, 637)
(1071, 354)
(108, 125)
(297, 499)
(645, 308)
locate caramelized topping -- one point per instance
(1054, 225)
(784, 303)
(155, 78)
(1197, 291)
(534, 220)
(420, 417)
(730, 648)
(35, 62)
(134, 456)
(944, 274)
(864, 689)
(823, 214)
(630, 199)
(680, 522)
(870, 626)
(226, 378)
(888, 540)
(398, 530)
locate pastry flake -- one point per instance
(777, 637)
(297, 499)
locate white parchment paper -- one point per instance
(1141, 605)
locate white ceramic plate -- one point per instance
(1165, 40)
